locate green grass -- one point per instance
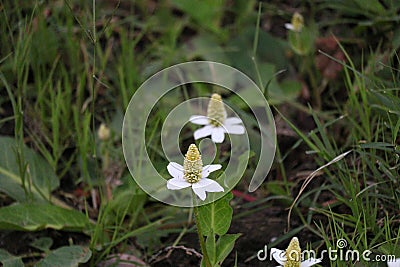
(68, 66)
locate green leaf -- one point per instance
(270, 49)
(386, 102)
(225, 245)
(302, 42)
(390, 249)
(373, 6)
(66, 257)
(207, 13)
(39, 173)
(9, 260)
(206, 47)
(290, 89)
(43, 243)
(211, 248)
(216, 217)
(33, 217)
(277, 188)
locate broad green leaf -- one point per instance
(290, 89)
(270, 49)
(66, 257)
(302, 42)
(206, 47)
(33, 217)
(211, 249)
(225, 245)
(277, 188)
(206, 12)
(9, 260)
(39, 173)
(43, 243)
(216, 217)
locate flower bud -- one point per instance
(293, 253)
(216, 112)
(103, 132)
(192, 165)
(297, 22)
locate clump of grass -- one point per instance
(364, 185)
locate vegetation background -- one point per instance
(66, 67)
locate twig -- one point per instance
(189, 251)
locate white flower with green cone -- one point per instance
(291, 257)
(216, 122)
(193, 174)
(296, 24)
(395, 263)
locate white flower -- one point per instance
(216, 122)
(291, 257)
(296, 24)
(395, 263)
(103, 132)
(193, 174)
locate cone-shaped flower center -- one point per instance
(192, 165)
(216, 112)
(297, 22)
(103, 132)
(293, 253)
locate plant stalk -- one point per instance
(200, 234)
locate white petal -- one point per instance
(203, 183)
(234, 129)
(209, 169)
(200, 192)
(289, 26)
(203, 132)
(206, 185)
(218, 135)
(395, 263)
(232, 120)
(177, 184)
(176, 165)
(199, 119)
(213, 186)
(279, 255)
(309, 262)
(175, 169)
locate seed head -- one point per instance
(297, 22)
(216, 112)
(103, 132)
(192, 165)
(293, 253)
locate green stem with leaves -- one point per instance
(206, 259)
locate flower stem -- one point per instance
(314, 87)
(217, 152)
(200, 234)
